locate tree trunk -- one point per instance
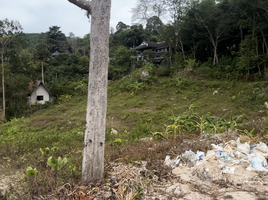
(3, 86)
(93, 156)
(264, 46)
(215, 59)
(43, 81)
(181, 47)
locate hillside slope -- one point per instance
(136, 110)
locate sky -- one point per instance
(37, 16)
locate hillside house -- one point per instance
(56, 53)
(157, 47)
(40, 93)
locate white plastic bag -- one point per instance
(199, 155)
(171, 162)
(189, 156)
(257, 165)
(243, 148)
(217, 147)
(210, 155)
(260, 148)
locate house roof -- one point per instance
(56, 53)
(36, 84)
(151, 45)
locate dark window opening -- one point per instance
(40, 98)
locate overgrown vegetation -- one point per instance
(173, 108)
(207, 82)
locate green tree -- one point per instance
(84, 61)
(56, 40)
(247, 54)
(41, 53)
(214, 21)
(86, 45)
(8, 32)
(121, 26)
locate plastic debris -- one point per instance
(172, 162)
(228, 155)
(260, 148)
(243, 148)
(258, 163)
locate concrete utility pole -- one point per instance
(93, 157)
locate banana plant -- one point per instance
(210, 124)
(200, 123)
(248, 133)
(234, 122)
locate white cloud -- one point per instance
(37, 16)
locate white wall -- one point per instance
(40, 90)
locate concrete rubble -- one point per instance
(231, 170)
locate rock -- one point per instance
(113, 131)
(215, 92)
(144, 74)
(146, 139)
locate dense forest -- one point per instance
(227, 39)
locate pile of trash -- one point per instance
(229, 155)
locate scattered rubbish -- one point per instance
(172, 162)
(228, 155)
(243, 148)
(260, 148)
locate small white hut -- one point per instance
(40, 93)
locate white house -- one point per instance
(40, 93)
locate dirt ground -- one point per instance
(151, 179)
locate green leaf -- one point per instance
(45, 151)
(31, 172)
(55, 149)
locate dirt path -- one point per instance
(10, 183)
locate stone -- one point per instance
(215, 92)
(146, 139)
(144, 74)
(113, 131)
